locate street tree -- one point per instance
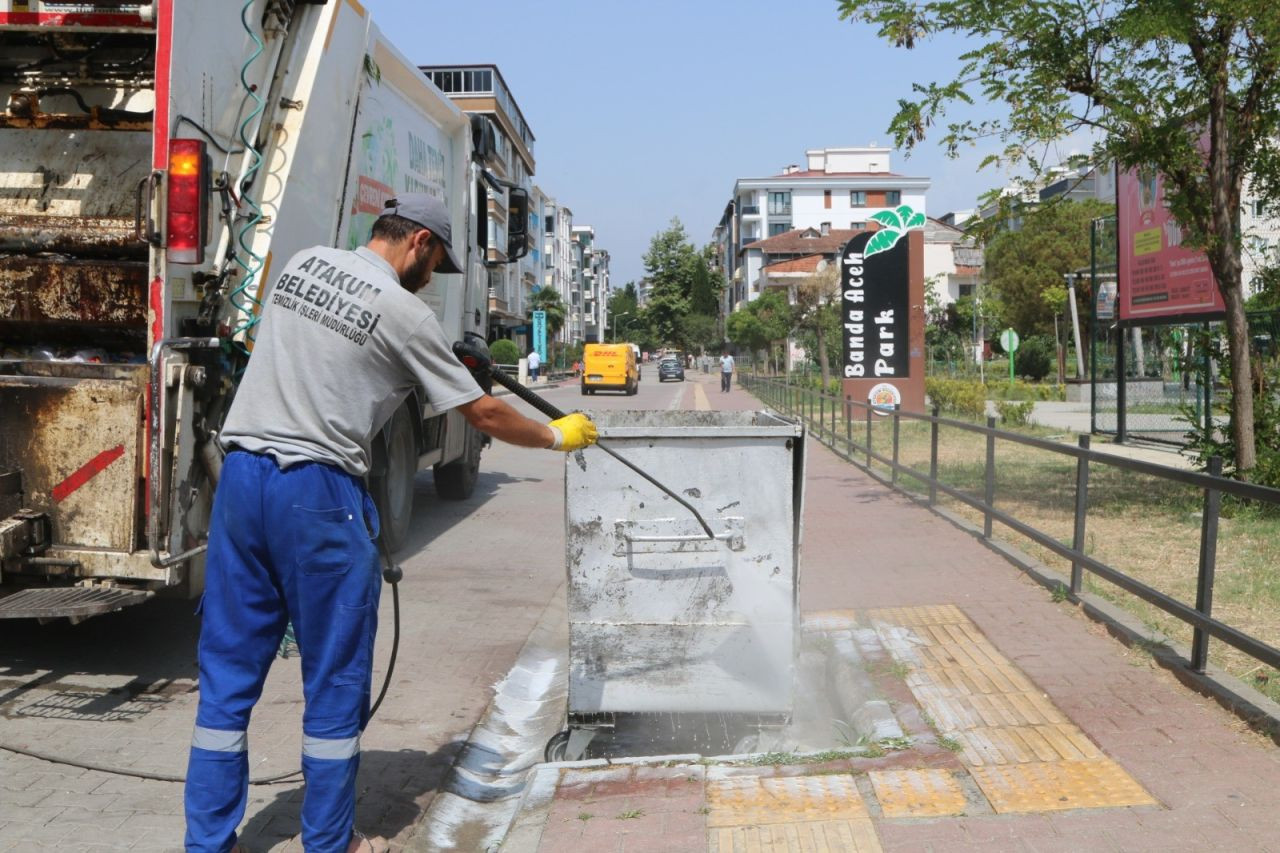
(548, 299)
(1148, 80)
(670, 265)
(762, 323)
(1025, 266)
(624, 312)
(815, 310)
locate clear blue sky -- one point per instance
(648, 110)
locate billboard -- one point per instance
(1159, 280)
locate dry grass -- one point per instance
(1145, 527)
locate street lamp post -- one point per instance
(615, 324)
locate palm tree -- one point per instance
(548, 299)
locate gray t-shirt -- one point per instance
(340, 346)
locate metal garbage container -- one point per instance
(661, 618)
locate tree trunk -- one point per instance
(1241, 380)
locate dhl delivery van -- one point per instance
(609, 367)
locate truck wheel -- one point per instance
(584, 390)
(393, 489)
(457, 480)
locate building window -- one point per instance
(857, 198)
(780, 203)
(892, 198)
(1259, 208)
(776, 228)
(967, 289)
(826, 199)
(857, 226)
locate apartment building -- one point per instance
(591, 278)
(558, 267)
(481, 90)
(838, 189)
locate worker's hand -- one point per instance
(572, 432)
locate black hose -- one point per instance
(390, 572)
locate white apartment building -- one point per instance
(838, 189)
(557, 266)
(1260, 230)
(952, 261)
(591, 277)
(480, 90)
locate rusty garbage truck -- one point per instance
(156, 161)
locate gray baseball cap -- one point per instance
(429, 212)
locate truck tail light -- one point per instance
(187, 205)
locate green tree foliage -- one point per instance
(504, 351)
(1025, 267)
(1036, 357)
(762, 323)
(1148, 79)
(816, 312)
(682, 287)
(548, 299)
(624, 314)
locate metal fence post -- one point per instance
(868, 438)
(933, 458)
(1208, 562)
(822, 412)
(991, 477)
(848, 424)
(1082, 509)
(893, 477)
(834, 400)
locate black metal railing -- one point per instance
(824, 413)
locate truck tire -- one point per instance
(584, 390)
(457, 480)
(393, 490)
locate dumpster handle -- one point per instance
(551, 411)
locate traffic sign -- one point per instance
(1009, 340)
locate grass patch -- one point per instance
(630, 814)
(585, 816)
(1144, 526)
(773, 759)
(950, 744)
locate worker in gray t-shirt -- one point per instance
(343, 340)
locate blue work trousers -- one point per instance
(284, 545)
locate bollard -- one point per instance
(1082, 509)
(1208, 564)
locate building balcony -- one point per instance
(750, 210)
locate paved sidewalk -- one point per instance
(1194, 778)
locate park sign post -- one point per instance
(540, 333)
(882, 311)
(1009, 342)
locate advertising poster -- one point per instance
(540, 333)
(1159, 280)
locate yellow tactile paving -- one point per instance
(831, 620)
(932, 614)
(820, 836)
(1024, 752)
(917, 793)
(700, 401)
(1055, 785)
(759, 800)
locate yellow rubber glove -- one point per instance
(572, 432)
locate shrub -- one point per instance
(958, 396)
(1036, 357)
(504, 352)
(1015, 414)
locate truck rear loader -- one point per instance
(158, 160)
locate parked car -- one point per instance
(670, 368)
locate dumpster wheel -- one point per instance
(556, 746)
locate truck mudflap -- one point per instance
(78, 602)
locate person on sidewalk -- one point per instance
(292, 534)
(535, 361)
(726, 371)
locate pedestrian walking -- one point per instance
(535, 361)
(726, 371)
(292, 533)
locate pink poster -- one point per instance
(1158, 279)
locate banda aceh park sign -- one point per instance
(882, 304)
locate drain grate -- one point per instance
(93, 707)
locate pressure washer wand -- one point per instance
(552, 412)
